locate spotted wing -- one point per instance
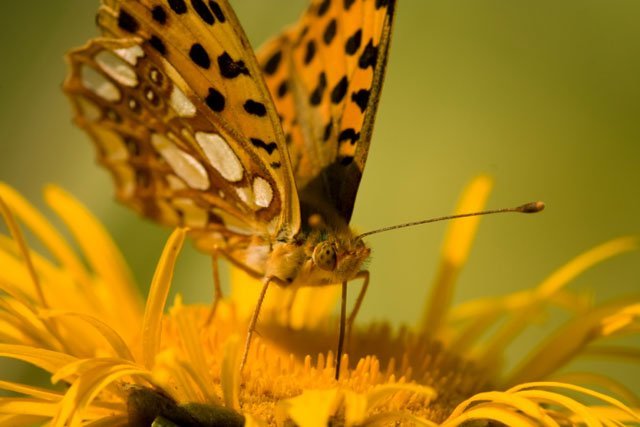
(177, 107)
(325, 75)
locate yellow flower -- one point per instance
(123, 362)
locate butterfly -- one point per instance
(259, 154)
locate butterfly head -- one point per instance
(342, 256)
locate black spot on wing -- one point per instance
(361, 98)
(271, 66)
(302, 35)
(159, 15)
(127, 22)
(215, 100)
(369, 56)
(203, 11)
(275, 165)
(339, 90)
(381, 3)
(349, 134)
(255, 108)
(199, 56)
(353, 43)
(330, 31)
(318, 92)
(158, 45)
(229, 68)
(348, 3)
(324, 7)
(327, 131)
(217, 11)
(283, 88)
(310, 52)
(346, 161)
(269, 148)
(178, 6)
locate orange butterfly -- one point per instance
(260, 156)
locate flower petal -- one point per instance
(100, 250)
(48, 360)
(43, 229)
(313, 408)
(455, 251)
(157, 299)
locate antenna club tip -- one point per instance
(532, 207)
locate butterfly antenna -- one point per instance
(532, 207)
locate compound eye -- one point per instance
(324, 256)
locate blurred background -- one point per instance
(544, 96)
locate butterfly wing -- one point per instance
(175, 102)
(325, 75)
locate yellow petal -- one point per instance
(48, 360)
(27, 406)
(313, 408)
(115, 341)
(546, 397)
(86, 388)
(156, 301)
(230, 375)
(190, 339)
(80, 366)
(602, 381)
(251, 421)
(47, 234)
(564, 386)
(518, 403)
(37, 392)
(100, 251)
(18, 237)
(457, 244)
(492, 413)
(493, 348)
(565, 344)
(585, 261)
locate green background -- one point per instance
(542, 95)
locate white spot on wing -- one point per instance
(220, 155)
(181, 103)
(244, 194)
(183, 164)
(263, 192)
(116, 68)
(100, 85)
(130, 54)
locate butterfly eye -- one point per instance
(324, 256)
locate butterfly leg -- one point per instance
(343, 316)
(363, 290)
(254, 320)
(291, 298)
(217, 288)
